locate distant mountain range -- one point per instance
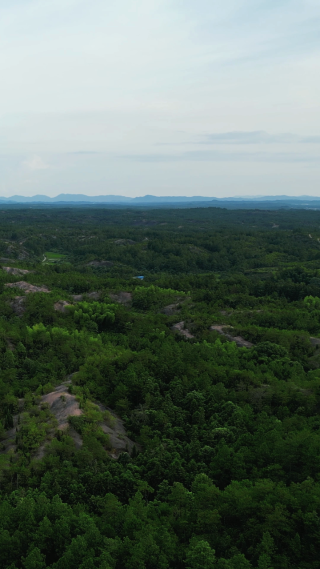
(153, 200)
(81, 198)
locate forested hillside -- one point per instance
(169, 421)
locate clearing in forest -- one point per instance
(51, 257)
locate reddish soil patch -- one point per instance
(179, 327)
(15, 271)
(27, 287)
(241, 342)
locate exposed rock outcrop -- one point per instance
(61, 305)
(121, 297)
(223, 330)
(179, 327)
(27, 287)
(15, 271)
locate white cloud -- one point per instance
(120, 77)
(35, 163)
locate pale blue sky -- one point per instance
(160, 97)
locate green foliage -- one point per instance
(87, 313)
(222, 466)
(312, 302)
(200, 555)
(145, 298)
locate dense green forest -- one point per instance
(170, 421)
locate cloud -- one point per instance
(209, 156)
(35, 163)
(246, 137)
(258, 137)
(253, 137)
(84, 152)
(229, 82)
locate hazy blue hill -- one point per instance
(241, 202)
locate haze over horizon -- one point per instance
(163, 98)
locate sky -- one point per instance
(181, 97)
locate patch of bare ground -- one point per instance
(78, 297)
(119, 440)
(100, 264)
(223, 330)
(15, 271)
(61, 305)
(124, 242)
(314, 360)
(94, 295)
(17, 305)
(121, 297)
(27, 287)
(171, 309)
(8, 444)
(62, 404)
(179, 327)
(10, 345)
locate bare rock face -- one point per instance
(121, 297)
(119, 440)
(100, 264)
(124, 242)
(78, 297)
(62, 404)
(223, 330)
(15, 271)
(27, 287)
(94, 295)
(17, 305)
(179, 327)
(61, 305)
(170, 309)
